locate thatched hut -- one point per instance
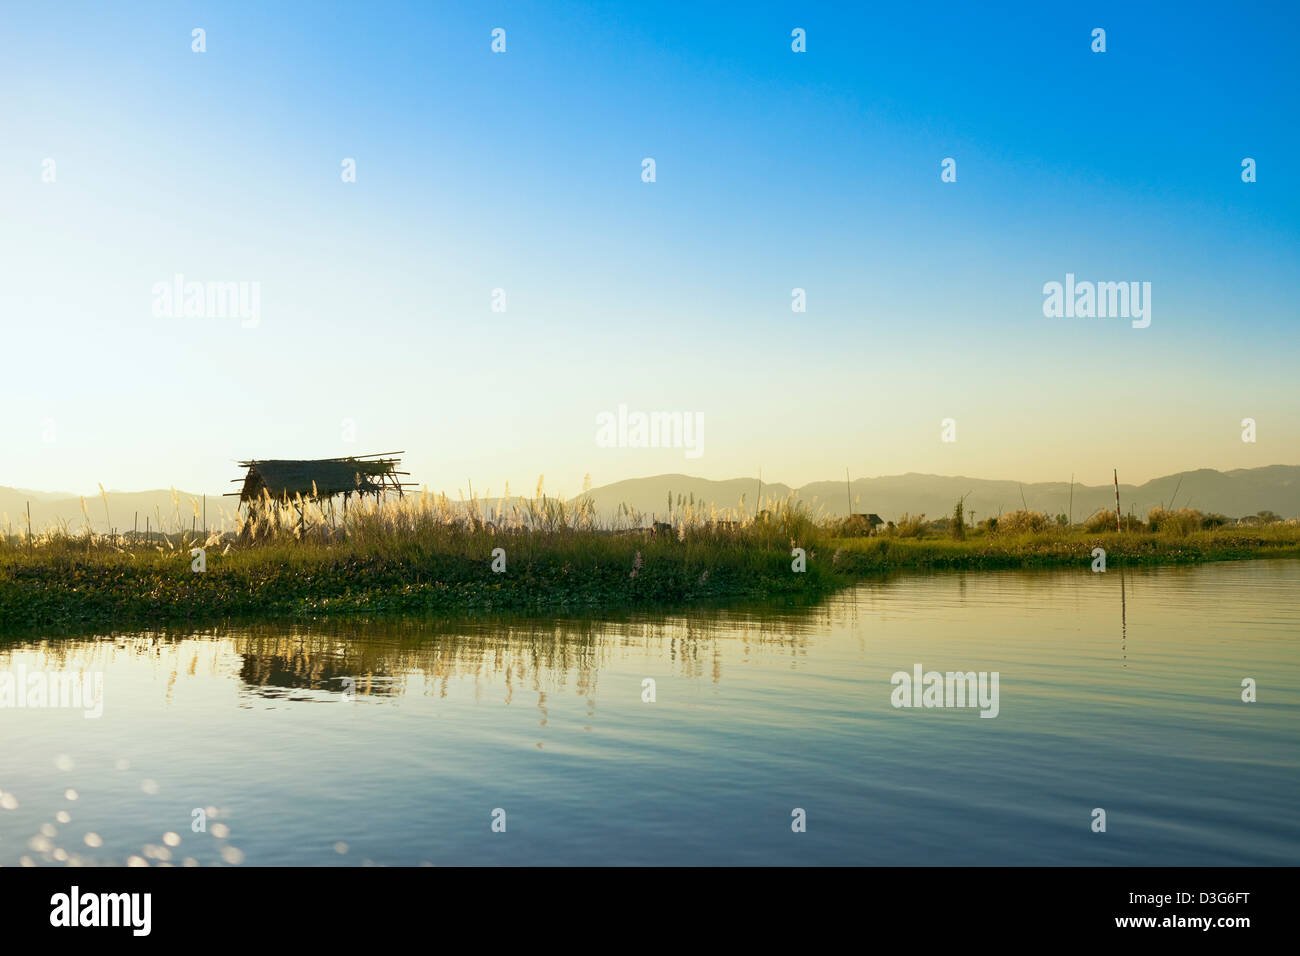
(320, 479)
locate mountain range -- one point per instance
(1235, 493)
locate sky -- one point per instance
(522, 171)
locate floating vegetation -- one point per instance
(423, 554)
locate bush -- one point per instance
(854, 526)
(1023, 522)
(910, 526)
(1103, 520)
(1181, 522)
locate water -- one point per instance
(1120, 692)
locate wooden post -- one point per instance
(1123, 618)
(1176, 487)
(848, 490)
(1071, 499)
(205, 516)
(1116, 501)
(29, 526)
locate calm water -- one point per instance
(1122, 693)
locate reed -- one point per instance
(427, 554)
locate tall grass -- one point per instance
(426, 553)
(420, 553)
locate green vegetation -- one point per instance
(416, 556)
(421, 555)
(1056, 547)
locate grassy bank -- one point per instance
(374, 567)
(1060, 548)
(420, 558)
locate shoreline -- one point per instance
(62, 589)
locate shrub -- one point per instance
(910, 526)
(1103, 520)
(854, 526)
(1181, 522)
(1023, 522)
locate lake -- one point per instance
(526, 741)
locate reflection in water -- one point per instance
(1123, 619)
(390, 658)
(391, 741)
(275, 666)
(393, 658)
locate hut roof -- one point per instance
(320, 477)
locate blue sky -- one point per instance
(522, 171)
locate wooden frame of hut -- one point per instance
(285, 480)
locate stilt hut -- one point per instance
(320, 479)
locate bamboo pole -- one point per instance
(1116, 473)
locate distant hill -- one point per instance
(1234, 493)
(1237, 493)
(49, 510)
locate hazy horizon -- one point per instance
(1235, 493)
(528, 488)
